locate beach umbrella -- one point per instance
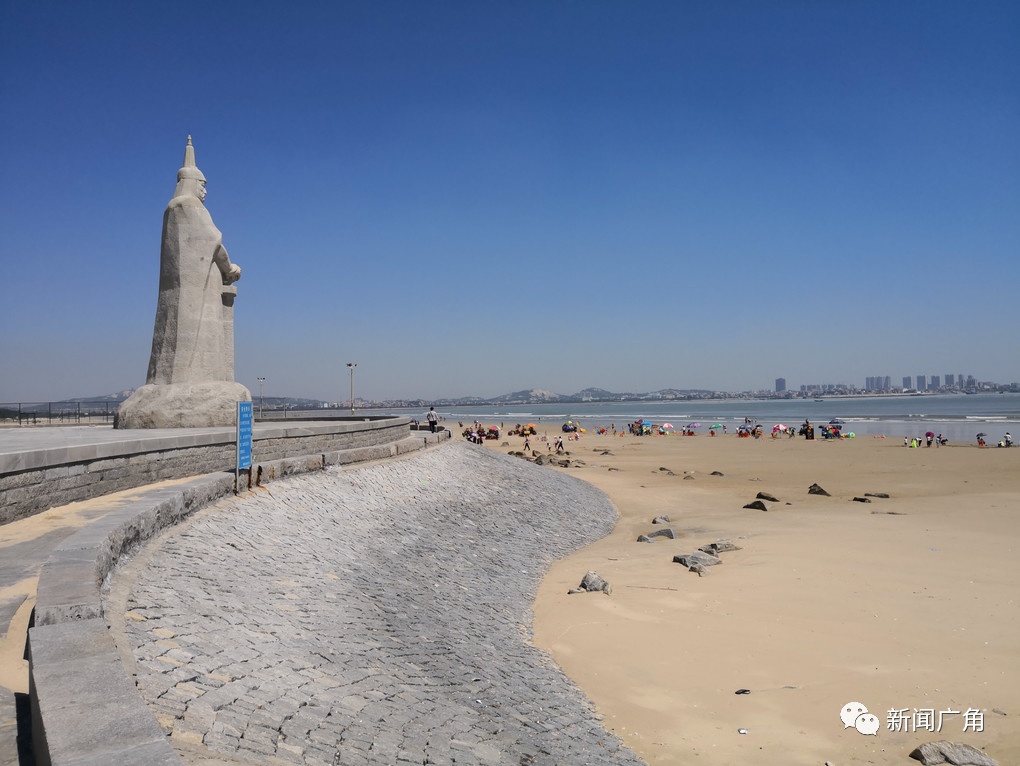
(929, 433)
(779, 427)
(836, 421)
(715, 425)
(744, 427)
(982, 434)
(694, 425)
(667, 425)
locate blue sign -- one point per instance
(245, 419)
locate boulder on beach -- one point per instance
(955, 753)
(719, 546)
(667, 532)
(697, 557)
(592, 582)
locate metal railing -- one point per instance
(56, 413)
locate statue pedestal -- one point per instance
(182, 405)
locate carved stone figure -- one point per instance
(190, 382)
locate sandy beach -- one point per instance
(908, 603)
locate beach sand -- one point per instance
(908, 603)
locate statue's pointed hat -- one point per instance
(189, 169)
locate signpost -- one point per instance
(245, 420)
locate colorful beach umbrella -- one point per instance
(716, 425)
(694, 425)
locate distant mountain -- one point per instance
(117, 397)
(531, 396)
(527, 396)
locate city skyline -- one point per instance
(469, 199)
(970, 384)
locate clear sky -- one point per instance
(472, 198)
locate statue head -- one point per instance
(190, 181)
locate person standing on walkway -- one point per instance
(433, 418)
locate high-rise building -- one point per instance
(906, 381)
(878, 383)
(933, 383)
(920, 383)
(949, 380)
(780, 385)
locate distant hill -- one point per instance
(527, 396)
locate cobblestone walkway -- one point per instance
(373, 615)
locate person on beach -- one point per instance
(432, 418)
(1009, 439)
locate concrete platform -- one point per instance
(61, 554)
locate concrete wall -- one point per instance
(37, 479)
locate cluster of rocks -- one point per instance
(560, 461)
(688, 475)
(705, 556)
(758, 504)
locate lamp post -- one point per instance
(262, 400)
(351, 366)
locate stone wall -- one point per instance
(35, 480)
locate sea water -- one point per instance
(958, 417)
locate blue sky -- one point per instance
(471, 198)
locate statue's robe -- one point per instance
(193, 341)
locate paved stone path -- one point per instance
(370, 615)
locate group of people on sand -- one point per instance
(477, 433)
(927, 440)
(1005, 441)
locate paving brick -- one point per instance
(378, 614)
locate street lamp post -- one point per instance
(262, 400)
(351, 366)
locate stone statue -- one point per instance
(190, 382)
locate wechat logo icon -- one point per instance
(855, 715)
